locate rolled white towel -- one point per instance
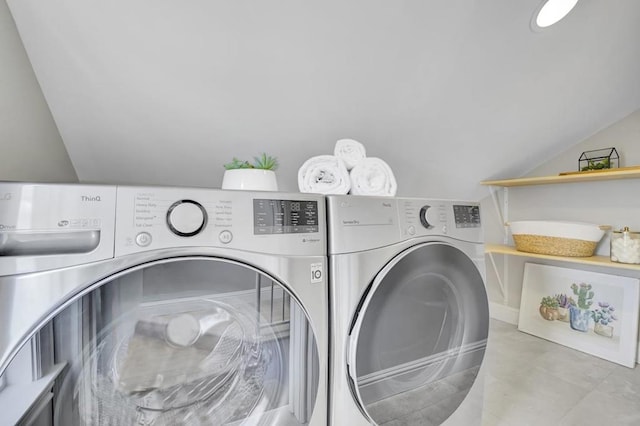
(350, 151)
(324, 174)
(372, 176)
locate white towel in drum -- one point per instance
(372, 176)
(324, 174)
(350, 151)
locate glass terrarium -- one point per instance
(599, 159)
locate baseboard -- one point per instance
(504, 313)
(510, 316)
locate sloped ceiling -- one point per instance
(448, 92)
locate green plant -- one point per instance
(549, 302)
(264, 162)
(584, 293)
(237, 164)
(549, 308)
(604, 313)
(597, 165)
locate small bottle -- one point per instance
(625, 246)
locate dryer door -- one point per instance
(419, 335)
(185, 341)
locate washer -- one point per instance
(409, 312)
(162, 306)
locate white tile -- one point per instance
(623, 383)
(521, 404)
(600, 408)
(575, 367)
(489, 419)
(469, 413)
(531, 381)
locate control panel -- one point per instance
(153, 218)
(362, 223)
(446, 219)
(284, 216)
(440, 217)
(466, 215)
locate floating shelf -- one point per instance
(621, 173)
(602, 261)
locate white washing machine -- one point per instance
(409, 315)
(161, 306)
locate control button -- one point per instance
(186, 218)
(444, 229)
(143, 239)
(225, 237)
(411, 230)
(425, 217)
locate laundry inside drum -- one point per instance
(204, 362)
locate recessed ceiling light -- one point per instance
(551, 12)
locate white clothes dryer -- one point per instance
(409, 314)
(161, 306)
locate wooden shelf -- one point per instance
(602, 261)
(622, 173)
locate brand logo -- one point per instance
(351, 222)
(63, 223)
(386, 205)
(3, 227)
(90, 198)
(311, 240)
(5, 197)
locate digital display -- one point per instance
(284, 216)
(466, 216)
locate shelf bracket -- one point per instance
(504, 290)
(503, 212)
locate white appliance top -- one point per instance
(357, 223)
(44, 226)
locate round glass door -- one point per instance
(196, 341)
(419, 337)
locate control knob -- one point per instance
(426, 217)
(186, 218)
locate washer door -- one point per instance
(189, 341)
(419, 335)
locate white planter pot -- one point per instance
(250, 180)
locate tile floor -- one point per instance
(531, 381)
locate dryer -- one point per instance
(161, 306)
(408, 311)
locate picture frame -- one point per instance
(592, 312)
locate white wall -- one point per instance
(30, 144)
(623, 135)
(447, 92)
(614, 203)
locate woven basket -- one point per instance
(554, 246)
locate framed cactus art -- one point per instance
(592, 312)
